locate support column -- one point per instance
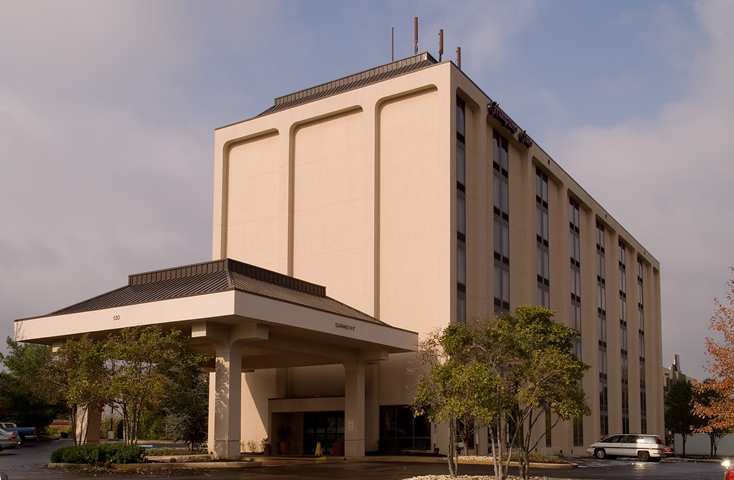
(354, 409)
(88, 423)
(212, 402)
(227, 399)
(372, 408)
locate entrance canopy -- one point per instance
(275, 312)
(248, 318)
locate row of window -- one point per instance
(460, 211)
(602, 328)
(502, 268)
(624, 341)
(501, 213)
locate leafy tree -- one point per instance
(187, 401)
(534, 373)
(453, 385)
(141, 361)
(25, 397)
(679, 416)
(704, 397)
(719, 411)
(80, 373)
(506, 372)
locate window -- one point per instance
(623, 335)
(460, 163)
(548, 428)
(501, 288)
(541, 208)
(461, 277)
(461, 306)
(501, 223)
(460, 211)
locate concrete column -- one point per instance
(354, 409)
(212, 403)
(372, 408)
(88, 423)
(227, 398)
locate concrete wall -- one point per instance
(357, 192)
(699, 444)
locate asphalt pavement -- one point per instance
(29, 463)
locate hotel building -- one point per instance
(417, 201)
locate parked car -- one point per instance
(644, 447)
(25, 433)
(9, 439)
(729, 475)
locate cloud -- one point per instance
(106, 166)
(669, 179)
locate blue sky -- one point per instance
(107, 111)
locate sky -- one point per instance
(107, 111)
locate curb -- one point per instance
(441, 460)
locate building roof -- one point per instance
(352, 82)
(214, 277)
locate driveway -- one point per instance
(28, 463)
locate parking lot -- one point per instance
(29, 463)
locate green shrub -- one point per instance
(99, 454)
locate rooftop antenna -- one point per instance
(440, 44)
(392, 45)
(415, 35)
(458, 57)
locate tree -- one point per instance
(187, 401)
(24, 395)
(535, 375)
(704, 397)
(507, 372)
(140, 361)
(79, 371)
(453, 385)
(719, 412)
(679, 416)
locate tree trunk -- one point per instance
(453, 471)
(684, 445)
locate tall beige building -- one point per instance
(411, 195)
(414, 200)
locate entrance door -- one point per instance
(326, 428)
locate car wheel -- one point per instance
(600, 453)
(643, 455)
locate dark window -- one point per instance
(401, 431)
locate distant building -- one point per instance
(673, 374)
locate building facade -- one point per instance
(411, 195)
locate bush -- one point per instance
(99, 454)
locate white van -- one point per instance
(644, 447)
